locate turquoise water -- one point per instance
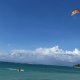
(37, 72)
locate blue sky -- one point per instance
(30, 24)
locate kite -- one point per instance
(74, 12)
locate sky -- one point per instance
(30, 24)
(33, 24)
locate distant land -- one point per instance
(21, 64)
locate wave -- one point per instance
(11, 69)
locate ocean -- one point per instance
(8, 71)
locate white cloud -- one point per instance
(51, 56)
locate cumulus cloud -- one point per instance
(49, 56)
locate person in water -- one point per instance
(20, 70)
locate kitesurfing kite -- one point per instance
(74, 12)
